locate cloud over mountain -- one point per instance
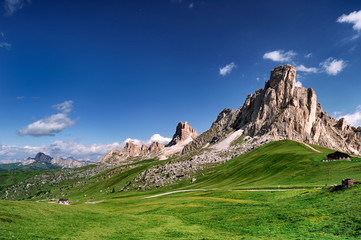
(279, 55)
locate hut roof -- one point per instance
(338, 155)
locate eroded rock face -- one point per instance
(182, 133)
(132, 152)
(283, 111)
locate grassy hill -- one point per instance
(223, 211)
(283, 163)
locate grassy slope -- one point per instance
(316, 214)
(285, 163)
(216, 214)
(8, 178)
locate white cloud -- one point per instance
(302, 68)
(158, 138)
(298, 84)
(227, 69)
(49, 126)
(155, 138)
(11, 6)
(279, 55)
(333, 66)
(257, 79)
(353, 18)
(353, 118)
(191, 5)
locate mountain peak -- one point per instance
(182, 133)
(42, 157)
(281, 110)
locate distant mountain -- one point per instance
(131, 152)
(41, 161)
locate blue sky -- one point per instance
(77, 78)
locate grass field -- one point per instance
(223, 211)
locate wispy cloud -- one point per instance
(5, 45)
(308, 55)
(191, 5)
(12, 6)
(280, 55)
(3, 42)
(227, 69)
(49, 126)
(353, 118)
(302, 68)
(333, 66)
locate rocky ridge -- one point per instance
(280, 110)
(133, 152)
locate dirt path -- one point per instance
(162, 194)
(270, 190)
(94, 202)
(311, 148)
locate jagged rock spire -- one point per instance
(182, 133)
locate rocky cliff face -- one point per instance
(68, 163)
(41, 157)
(283, 111)
(132, 152)
(182, 133)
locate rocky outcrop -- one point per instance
(183, 132)
(131, 152)
(283, 111)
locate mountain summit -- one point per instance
(182, 133)
(281, 110)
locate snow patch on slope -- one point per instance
(225, 144)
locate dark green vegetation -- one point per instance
(8, 178)
(32, 166)
(221, 212)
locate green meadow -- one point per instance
(301, 207)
